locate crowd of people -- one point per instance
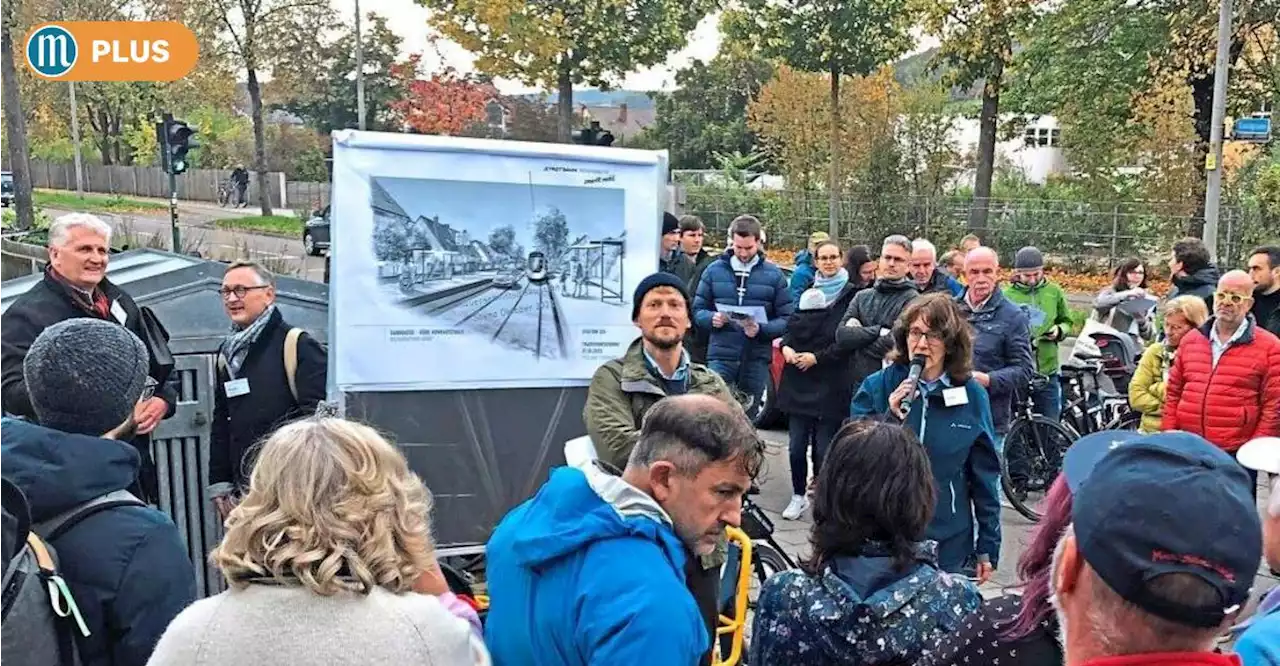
(900, 374)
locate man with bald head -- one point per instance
(1002, 359)
(1225, 380)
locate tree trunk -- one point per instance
(15, 125)
(833, 188)
(988, 124)
(259, 138)
(565, 101)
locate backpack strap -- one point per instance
(291, 360)
(58, 525)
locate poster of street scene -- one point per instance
(486, 267)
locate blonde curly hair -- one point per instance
(333, 506)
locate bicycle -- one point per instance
(1088, 405)
(1032, 455)
(225, 191)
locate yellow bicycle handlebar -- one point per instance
(736, 626)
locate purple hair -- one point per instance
(1035, 567)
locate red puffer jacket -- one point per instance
(1229, 404)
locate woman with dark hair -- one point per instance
(1128, 282)
(871, 593)
(814, 391)
(861, 266)
(950, 411)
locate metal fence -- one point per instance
(148, 181)
(1077, 234)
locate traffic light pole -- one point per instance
(173, 185)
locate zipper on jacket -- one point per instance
(924, 415)
(952, 484)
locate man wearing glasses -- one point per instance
(1225, 381)
(268, 374)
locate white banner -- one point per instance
(468, 263)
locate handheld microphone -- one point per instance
(917, 367)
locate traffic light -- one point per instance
(178, 139)
(593, 135)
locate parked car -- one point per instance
(506, 280)
(6, 188)
(315, 233)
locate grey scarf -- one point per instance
(236, 346)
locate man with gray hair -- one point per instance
(1161, 554)
(869, 319)
(75, 285)
(269, 373)
(590, 570)
(924, 270)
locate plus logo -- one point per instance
(52, 51)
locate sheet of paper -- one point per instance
(739, 313)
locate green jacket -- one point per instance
(622, 390)
(1046, 304)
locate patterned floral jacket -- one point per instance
(860, 611)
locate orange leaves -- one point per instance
(445, 104)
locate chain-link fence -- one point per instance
(1080, 235)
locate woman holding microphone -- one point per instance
(951, 415)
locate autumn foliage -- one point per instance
(446, 103)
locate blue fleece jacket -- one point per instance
(802, 275)
(764, 285)
(576, 580)
(127, 567)
(960, 440)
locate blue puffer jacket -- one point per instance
(765, 286)
(962, 454)
(126, 566)
(1002, 349)
(802, 275)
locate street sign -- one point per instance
(1256, 129)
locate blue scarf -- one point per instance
(831, 286)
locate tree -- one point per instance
(782, 118)
(251, 25)
(929, 150)
(314, 78)
(551, 234)
(707, 112)
(555, 45)
(15, 123)
(837, 37)
(390, 239)
(503, 239)
(445, 104)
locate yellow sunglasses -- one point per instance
(1230, 297)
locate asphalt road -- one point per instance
(197, 231)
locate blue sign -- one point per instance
(51, 51)
(1257, 128)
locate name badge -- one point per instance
(118, 312)
(236, 387)
(955, 396)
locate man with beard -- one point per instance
(623, 391)
(1264, 268)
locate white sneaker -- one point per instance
(796, 508)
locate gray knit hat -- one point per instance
(85, 375)
(1028, 259)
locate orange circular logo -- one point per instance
(111, 50)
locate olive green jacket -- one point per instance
(622, 390)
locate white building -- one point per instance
(1037, 153)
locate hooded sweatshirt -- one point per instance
(860, 610)
(590, 571)
(127, 566)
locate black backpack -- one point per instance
(40, 619)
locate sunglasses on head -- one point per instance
(1230, 297)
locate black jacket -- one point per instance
(696, 340)
(48, 302)
(1201, 283)
(239, 422)
(677, 264)
(824, 390)
(876, 309)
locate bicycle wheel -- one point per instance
(1127, 421)
(1032, 458)
(766, 561)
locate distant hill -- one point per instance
(634, 99)
(913, 71)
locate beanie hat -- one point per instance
(1028, 259)
(653, 282)
(670, 224)
(813, 299)
(85, 376)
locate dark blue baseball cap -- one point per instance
(1165, 503)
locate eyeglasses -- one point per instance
(1230, 297)
(931, 336)
(149, 389)
(832, 257)
(239, 291)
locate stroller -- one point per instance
(1118, 352)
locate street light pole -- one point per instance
(1213, 162)
(75, 139)
(359, 72)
